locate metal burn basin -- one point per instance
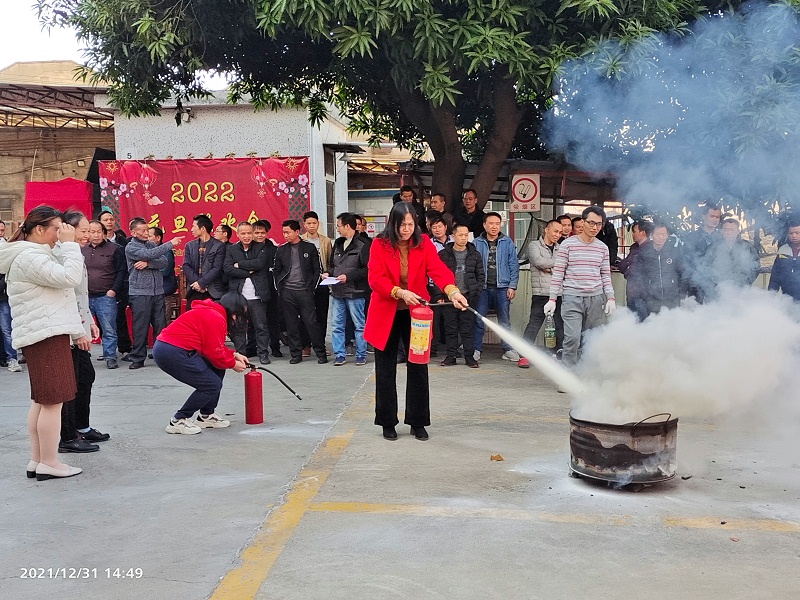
(643, 452)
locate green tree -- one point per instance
(463, 76)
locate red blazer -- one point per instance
(384, 275)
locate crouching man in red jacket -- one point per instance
(192, 349)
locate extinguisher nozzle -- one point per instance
(286, 385)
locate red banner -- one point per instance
(170, 193)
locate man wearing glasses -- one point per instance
(582, 276)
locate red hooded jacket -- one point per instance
(203, 329)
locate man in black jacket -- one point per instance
(349, 266)
(297, 271)
(247, 265)
(463, 259)
(203, 262)
(786, 269)
(659, 272)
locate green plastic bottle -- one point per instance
(550, 332)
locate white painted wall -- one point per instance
(219, 129)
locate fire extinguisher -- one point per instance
(254, 397)
(419, 348)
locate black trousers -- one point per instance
(418, 410)
(124, 343)
(275, 322)
(75, 414)
(537, 320)
(147, 311)
(322, 302)
(257, 320)
(459, 323)
(298, 306)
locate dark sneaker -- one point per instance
(264, 359)
(390, 433)
(340, 360)
(472, 363)
(448, 362)
(94, 436)
(322, 359)
(135, 365)
(111, 364)
(360, 362)
(277, 353)
(295, 359)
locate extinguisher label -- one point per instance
(420, 332)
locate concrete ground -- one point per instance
(316, 504)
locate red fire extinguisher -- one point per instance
(419, 348)
(253, 397)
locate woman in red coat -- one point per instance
(400, 261)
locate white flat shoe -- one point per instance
(31, 470)
(44, 472)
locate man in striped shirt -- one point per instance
(582, 276)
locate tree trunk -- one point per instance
(508, 116)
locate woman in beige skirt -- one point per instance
(45, 323)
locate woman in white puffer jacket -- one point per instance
(45, 322)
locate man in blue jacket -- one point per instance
(786, 269)
(502, 276)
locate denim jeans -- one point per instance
(355, 308)
(5, 327)
(104, 309)
(497, 298)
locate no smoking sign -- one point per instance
(525, 196)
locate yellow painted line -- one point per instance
(259, 557)
(733, 524)
(257, 560)
(509, 514)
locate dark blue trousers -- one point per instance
(189, 367)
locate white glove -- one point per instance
(611, 306)
(550, 308)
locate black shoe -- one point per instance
(264, 359)
(150, 356)
(277, 353)
(402, 359)
(136, 365)
(322, 359)
(389, 433)
(419, 433)
(94, 436)
(126, 358)
(471, 363)
(111, 364)
(77, 445)
(295, 359)
(448, 362)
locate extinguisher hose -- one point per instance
(286, 385)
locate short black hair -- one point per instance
(473, 190)
(457, 225)
(204, 222)
(551, 221)
(263, 223)
(310, 215)
(408, 188)
(158, 232)
(226, 228)
(440, 219)
(431, 214)
(293, 224)
(348, 219)
(439, 194)
(240, 223)
(643, 225)
(710, 206)
(492, 214)
(594, 210)
(659, 225)
(576, 219)
(562, 217)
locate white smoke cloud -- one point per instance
(713, 114)
(739, 356)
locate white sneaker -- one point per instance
(511, 355)
(211, 421)
(184, 426)
(476, 355)
(14, 366)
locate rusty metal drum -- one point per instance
(643, 452)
